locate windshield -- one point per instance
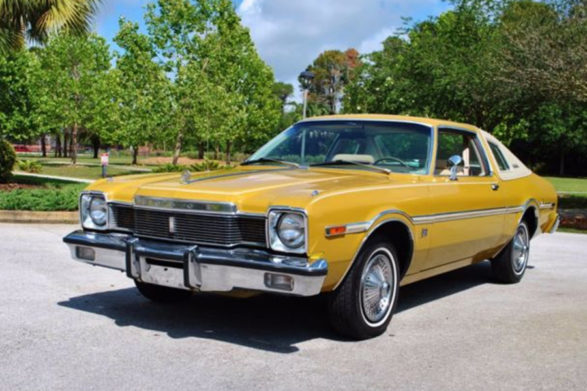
(399, 147)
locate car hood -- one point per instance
(250, 188)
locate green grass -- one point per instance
(572, 192)
(55, 195)
(85, 172)
(571, 230)
(115, 158)
(569, 185)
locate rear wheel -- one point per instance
(363, 304)
(510, 265)
(161, 294)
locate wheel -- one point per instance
(362, 306)
(161, 294)
(509, 266)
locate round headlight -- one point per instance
(98, 211)
(290, 229)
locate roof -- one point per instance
(388, 117)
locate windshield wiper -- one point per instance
(269, 160)
(337, 162)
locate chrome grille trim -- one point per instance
(217, 229)
(185, 205)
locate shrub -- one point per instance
(170, 168)
(30, 166)
(209, 165)
(7, 160)
(206, 165)
(52, 198)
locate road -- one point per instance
(66, 325)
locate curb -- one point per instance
(60, 178)
(27, 216)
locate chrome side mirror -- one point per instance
(453, 163)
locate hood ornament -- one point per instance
(185, 177)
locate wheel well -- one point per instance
(400, 236)
(531, 220)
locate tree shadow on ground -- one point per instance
(268, 322)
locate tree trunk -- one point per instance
(43, 145)
(177, 150)
(216, 151)
(65, 145)
(201, 148)
(135, 154)
(228, 145)
(73, 152)
(96, 145)
(561, 169)
(57, 145)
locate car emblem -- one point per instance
(172, 225)
(185, 177)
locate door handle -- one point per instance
(494, 186)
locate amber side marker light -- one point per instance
(333, 231)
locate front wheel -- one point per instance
(509, 266)
(363, 304)
(161, 294)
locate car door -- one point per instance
(465, 219)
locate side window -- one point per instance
(502, 163)
(454, 142)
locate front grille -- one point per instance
(123, 216)
(222, 230)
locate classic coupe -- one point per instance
(351, 206)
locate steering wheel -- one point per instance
(393, 158)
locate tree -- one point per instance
(516, 68)
(72, 86)
(34, 20)
(17, 119)
(332, 70)
(544, 51)
(218, 76)
(141, 89)
(282, 91)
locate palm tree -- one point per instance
(34, 20)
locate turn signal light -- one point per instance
(86, 253)
(279, 281)
(333, 231)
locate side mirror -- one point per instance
(453, 163)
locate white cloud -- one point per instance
(290, 34)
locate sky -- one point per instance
(289, 34)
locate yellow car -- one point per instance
(352, 206)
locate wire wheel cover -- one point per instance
(377, 286)
(521, 249)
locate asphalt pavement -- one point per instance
(69, 326)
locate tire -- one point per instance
(362, 306)
(510, 265)
(162, 294)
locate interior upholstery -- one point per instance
(366, 159)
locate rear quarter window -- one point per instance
(501, 161)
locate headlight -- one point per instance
(98, 211)
(93, 211)
(287, 231)
(290, 229)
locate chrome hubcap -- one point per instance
(377, 283)
(521, 249)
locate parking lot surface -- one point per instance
(66, 325)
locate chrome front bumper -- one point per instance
(198, 268)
